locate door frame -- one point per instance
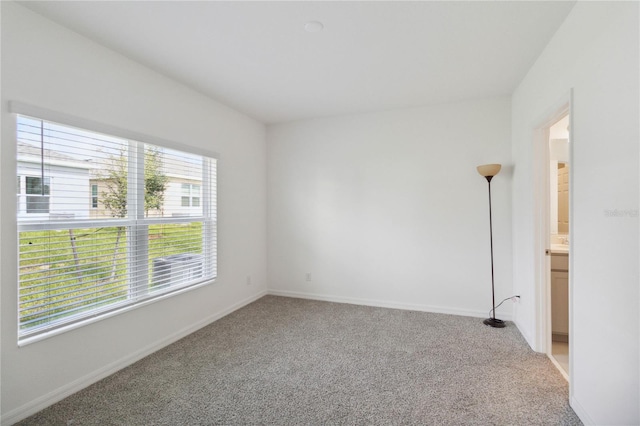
(542, 262)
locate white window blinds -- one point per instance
(103, 223)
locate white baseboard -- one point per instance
(386, 304)
(62, 392)
(559, 368)
(526, 336)
(581, 412)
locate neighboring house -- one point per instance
(61, 192)
(71, 188)
(182, 197)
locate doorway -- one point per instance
(559, 241)
(552, 185)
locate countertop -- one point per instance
(561, 249)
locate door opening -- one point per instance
(552, 237)
(559, 242)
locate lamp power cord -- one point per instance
(514, 298)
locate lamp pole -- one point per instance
(489, 171)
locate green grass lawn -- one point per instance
(66, 272)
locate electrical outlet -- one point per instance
(308, 276)
(249, 280)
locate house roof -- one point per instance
(31, 153)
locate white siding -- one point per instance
(70, 193)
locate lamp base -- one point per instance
(494, 322)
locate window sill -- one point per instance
(51, 333)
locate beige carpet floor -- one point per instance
(284, 361)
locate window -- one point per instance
(78, 261)
(190, 195)
(36, 196)
(94, 196)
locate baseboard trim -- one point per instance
(555, 362)
(385, 304)
(560, 337)
(526, 336)
(62, 392)
(580, 411)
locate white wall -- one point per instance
(51, 67)
(388, 208)
(595, 52)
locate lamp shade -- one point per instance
(489, 169)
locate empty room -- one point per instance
(320, 212)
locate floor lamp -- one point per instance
(489, 171)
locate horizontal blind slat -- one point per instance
(80, 297)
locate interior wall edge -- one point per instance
(580, 411)
(387, 304)
(522, 329)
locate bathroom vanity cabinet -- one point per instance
(560, 296)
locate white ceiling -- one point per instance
(257, 58)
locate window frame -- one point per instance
(94, 197)
(24, 197)
(189, 193)
(208, 219)
(37, 198)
